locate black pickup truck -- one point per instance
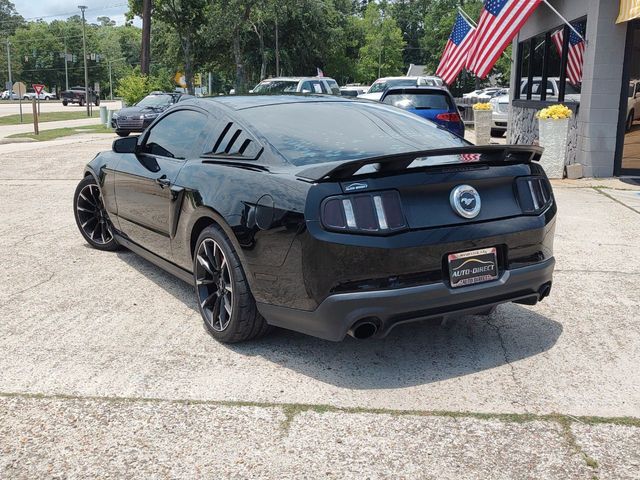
(77, 95)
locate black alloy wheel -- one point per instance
(214, 284)
(224, 299)
(91, 216)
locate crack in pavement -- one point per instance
(11, 295)
(602, 192)
(508, 362)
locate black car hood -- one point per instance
(132, 111)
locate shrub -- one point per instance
(135, 86)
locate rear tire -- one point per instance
(91, 216)
(97, 102)
(64, 103)
(81, 102)
(225, 302)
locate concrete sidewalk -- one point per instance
(107, 371)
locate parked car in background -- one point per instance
(44, 95)
(353, 90)
(571, 93)
(490, 93)
(322, 215)
(9, 95)
(77, 95)
(139, 116)
(499, 114)
(500, 103)
(484, 94)
(280, 85)
(633, 104)
(433, 103)
(382, 84)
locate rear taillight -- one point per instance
(534, 193)
(448, 117)
(376, 212)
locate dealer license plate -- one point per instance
(476, 266)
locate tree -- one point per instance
(186, 18)
(381, 54)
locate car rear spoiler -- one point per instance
(484, 154)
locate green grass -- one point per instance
(62, 132)
(47, 116)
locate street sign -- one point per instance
(38, 88)
(19, 89)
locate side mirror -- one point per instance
(126, 145)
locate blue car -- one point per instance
(433, 103)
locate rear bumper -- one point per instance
(337, 313)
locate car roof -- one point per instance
(416, 89)
(294, 79)
(240, 102)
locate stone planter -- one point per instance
(482, 124)
(553, 137)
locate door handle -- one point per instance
(163, 181)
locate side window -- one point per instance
(550, 89)
(333, 86)
(536, 88)
(314, 86)
(176, 135)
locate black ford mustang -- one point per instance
(323, 215)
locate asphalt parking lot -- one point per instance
(107, 371)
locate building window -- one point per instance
(553, 59)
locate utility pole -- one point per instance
(9, 63)
(145, 53)
(66, 70)
(86, 71)
(277, 51)
(110, 83)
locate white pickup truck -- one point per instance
(500, 105)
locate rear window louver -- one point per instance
(234, 142)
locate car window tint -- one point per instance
(306, 133)
(313, 86)
(276, 86)
(419, 101)
(176, 135)
(333, 85)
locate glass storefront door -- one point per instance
(630, 156)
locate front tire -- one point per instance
(91, 216)
(224, 299)
(97, 102)
(64, 103)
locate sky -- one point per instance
(60, 9)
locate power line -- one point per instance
(40, 17)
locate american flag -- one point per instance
(456, 51)
(499, 22)
(576, 52)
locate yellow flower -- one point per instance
(482, 106)
(555, 112)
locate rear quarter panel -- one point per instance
(260, 212)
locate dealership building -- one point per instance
(604, 135)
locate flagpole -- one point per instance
(467, 17)
(565, 21)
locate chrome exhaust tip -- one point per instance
(363, 329)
